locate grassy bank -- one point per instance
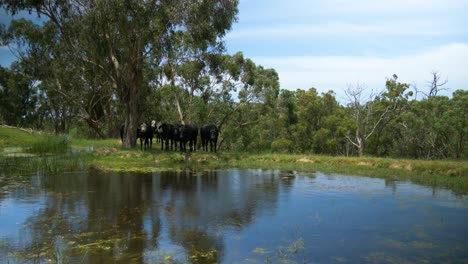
(108, 155)
(16, 137)
(446, 174)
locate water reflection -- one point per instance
(96, 217)
(225, 216)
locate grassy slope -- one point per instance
(14, 137)
(109, 156)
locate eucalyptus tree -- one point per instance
(373, 112)
(458, 119)
(124, 39)
(72, 89)
(216, 85)
(395, 99)
(17, 96)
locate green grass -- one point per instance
(32, 142)
(445, 174)
(52, 144)
(81, 143)
(14, 137)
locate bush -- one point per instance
(282, 145)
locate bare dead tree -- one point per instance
(366, 116)
(435, 85)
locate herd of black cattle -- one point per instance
(174, 137)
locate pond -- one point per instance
(227, 216)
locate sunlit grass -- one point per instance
(81, 143)
(14, 137)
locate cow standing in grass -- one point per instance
(188, 134)
(122, 129)
(145, 133)
(209, 134)
(166, 133)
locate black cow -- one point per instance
(150, 133)
(175, 135)
(122, 129)
(145, 132)
(158, 132)
(166, 133)
(188, 133)
(209, 134)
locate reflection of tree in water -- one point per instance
(199, 207)
(116, 205)
(118, 217)
(41, 234)
(100, 221)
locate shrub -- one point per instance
(282, 145)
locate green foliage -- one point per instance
(94, 58)
(17, 97)
(282, 145)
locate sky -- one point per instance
(332, 44)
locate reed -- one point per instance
(52, 144)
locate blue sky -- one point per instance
(335, 43)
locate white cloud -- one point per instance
(371, 6)
(280, 9)
(409, 27)
(337, 72)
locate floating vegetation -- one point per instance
(382, 257)
(339, 260)
(259, 250)
(291, 253)
(422, 245)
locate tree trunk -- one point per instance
(362, 146)
(459, 145)
(179, 110)
(131, 118)
(95, 126)
(361, 150)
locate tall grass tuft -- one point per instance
(53, 144)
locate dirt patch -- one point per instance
(131, 155)
(365, 163)
(105, 150)
(306, 160)
(401, 165)
(206, 158)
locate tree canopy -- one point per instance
(92, 66)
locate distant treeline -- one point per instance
(391, 123)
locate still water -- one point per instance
(227, 216)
